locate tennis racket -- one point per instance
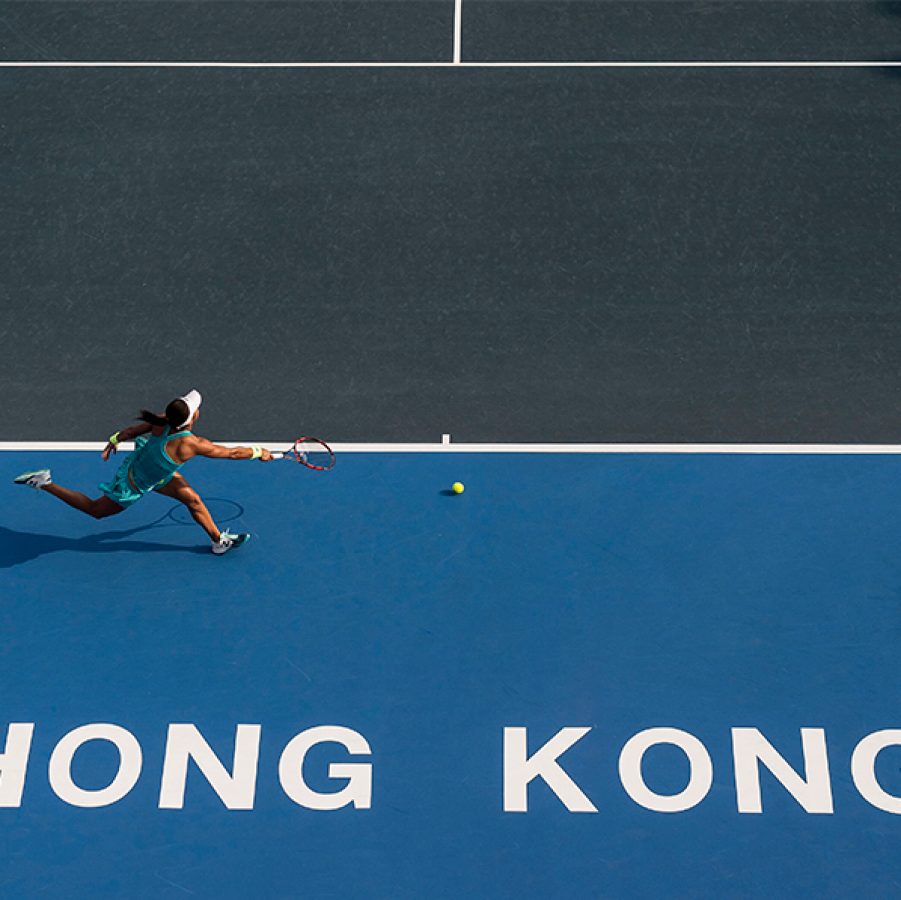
(310, 452)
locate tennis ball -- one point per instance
(457, 487)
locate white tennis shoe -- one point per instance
(229, 541)
(37, 480)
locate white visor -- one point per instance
(193, 400)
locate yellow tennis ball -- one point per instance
(457, 487)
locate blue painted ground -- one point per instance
(620, 592)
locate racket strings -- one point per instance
(313, 453)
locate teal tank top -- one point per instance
(150, 465)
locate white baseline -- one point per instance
(600, 64)
(797, 449)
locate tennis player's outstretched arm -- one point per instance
(203, 447)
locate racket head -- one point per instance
(313, 453)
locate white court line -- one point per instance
(782, 449)
(811, 64)
(458, 31)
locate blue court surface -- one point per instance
(616, 592)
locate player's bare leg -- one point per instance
(99, 508)
(179, 489)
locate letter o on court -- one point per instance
(863, 769)
(700, 770)
(130, 761)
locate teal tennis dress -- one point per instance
(149, 467)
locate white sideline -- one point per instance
(798, 449)
(600, 64)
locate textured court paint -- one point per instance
(274, 30)
(681, 29)
(428, 30)
(620, 593)
(533, 255)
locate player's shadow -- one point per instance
(17, 547)
(888, 7)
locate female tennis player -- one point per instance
(163, 444)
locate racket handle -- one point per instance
(277, 454)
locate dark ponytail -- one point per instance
(176, 413)
(151, 418)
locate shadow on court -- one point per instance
(890, 9)
(17, 547)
